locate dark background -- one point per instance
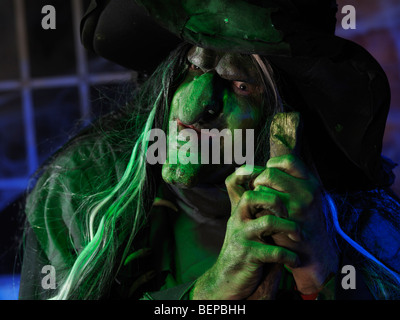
(54, 87)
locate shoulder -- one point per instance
(70, 167)
(83, 168)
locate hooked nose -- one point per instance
(203, 100)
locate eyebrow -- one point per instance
(234, 68)
(235, 74)
(204, 59)
(228, 66)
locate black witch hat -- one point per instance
(340, 89)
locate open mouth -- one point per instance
(181, 124)
(200, 131)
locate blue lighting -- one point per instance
(9, 287)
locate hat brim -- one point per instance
(123, 32)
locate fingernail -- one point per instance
(244, 171)
(294, 237)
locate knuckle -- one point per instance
(308, 198)
(247, 196)
(277, 254)
(290, 159)
(268, 221)
(302, 202)
(266, 177)
(296, 207)
(268, 224)
(269, 173)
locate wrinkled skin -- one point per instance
(284, 206)
(279, 221)
(227, 84)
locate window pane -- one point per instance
(12, 136)
(56, 114)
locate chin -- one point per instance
(193, 175)
(182, 176)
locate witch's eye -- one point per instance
(194, 67)
(242, 88)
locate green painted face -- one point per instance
(221, 91)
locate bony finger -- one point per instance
(296, 237)
(267, 201)
(254, 204)
(270, 225)
(263, 253)
(290, 164)
(274, 179)
(273, 225)
(244, 174)
(284, 256)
